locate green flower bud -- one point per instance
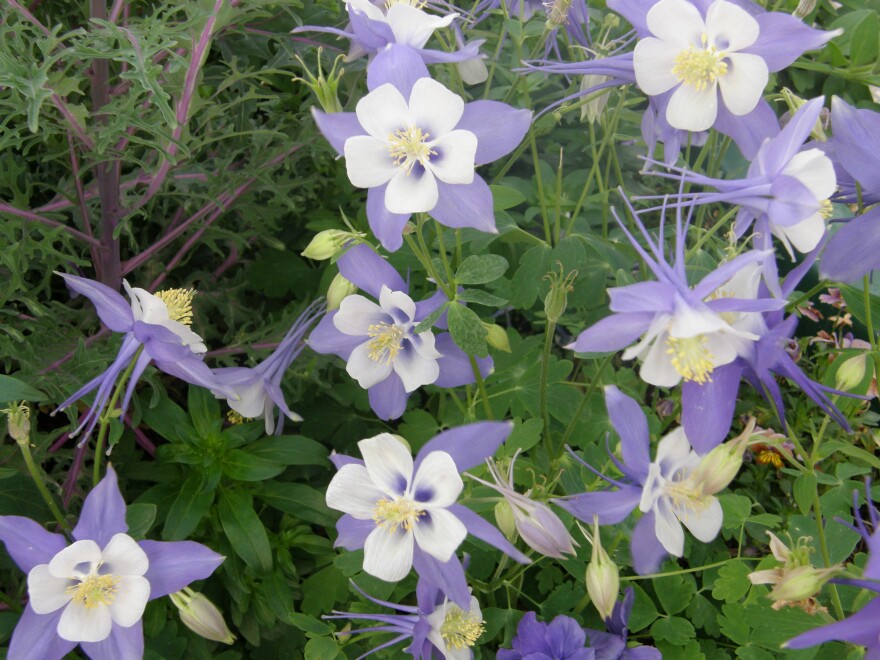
(721, 465)
(327, 243)
(497, 337)
(557, 13)
(201, 616)
(18, 422)
(594, 105)
(323, 87)
(557, 298)
(793, 101)
(339, 289)
(603, 577)
(505, 519)
(801, 583)
(851, 373)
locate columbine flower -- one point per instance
(156, 329)
(539, 527)
(561, 639)
(612, 645)
(258, 389)
(685, 335)
(403, 512)
(414, 145)
(796, 581)
(93, 591)
(382, 352)
(662, 490)
(435, 624)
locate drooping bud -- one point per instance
(804, 8)
(852, 372)
(557, 13)
(201, 616)
(327, 243)
(603, 576)
(793, 101)
(18, 422)
(801, 583)
(473, 71)
(594, 105)
(505, 520)
(323, 87)
(721, 465)
(497, 337)
(339, 289)
(557, 298)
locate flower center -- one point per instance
(691, 358)
(94, 590)
(408, 147)
(687, 495)
(385, 343)
(699, 67)
(179, 304)
(400, 512)
(460, 629)
(826, 208)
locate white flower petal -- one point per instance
(693, 109)
(368, 161)
(84, 624)
(815, 170)
(152, 308)
(47, 592)
(435, 109)
(653, 61)
(677, 22)
(356, 314)
(724, 347)
(383, 112)
(364, 369)
(187, 337)
(251, 401)
(691, 321)
(657, 366)
(674, 454)
(389, 463)
(388, 554)
(132, 594)
(397, 304)
(704, 523)
(123, 556)
(454, 161)
(744, 83)
(353, 491)
(412, 192)
(75, 560)
(667, 528)
(415, 370)
(805, 235)
(414, 27)
(425, 343)
(366, 7)
(437, 482)
(729, 27)
(439, 533)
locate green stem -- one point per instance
(41, 486)
(869, 322)
(106, 416)
(583, 404)
(481, 386)
(826, 557)
(809, 294)
(542, 385)
(698, 569)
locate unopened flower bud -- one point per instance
(327, 243)
(473, 71)
(339, 289)
(323, 87)
(603, 577)
(497, 337)
(557, 298)
(504, 519)
(804, 8)
(793, 101)
(801, 583)
(594, 105)
(721, 465)
(557, 13)
(18, 422)
(851, 373)
(201, 616)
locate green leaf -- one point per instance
(204, 410)
(644, 612)
(736, 510)
(169, 420)
(526, 281)
(733, 623)
(504, 197)
(13, 389)
(770, 628)
(429, 321)
(188, 509)
(702, 613)
(309, 624)
(322, 590)
(525, 435)
(140, 518)
(244, 530)
(480, 269)
(733, 581)
(674, 630)
(480, 298)
(299, 500)
(467, 330)
(290, 450)
(675, 592)
(803, 489)
(855, 303)
(863, 42)
(242, 466)
(321, 648)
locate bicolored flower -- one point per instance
(661, 489)
(92, 593)
(404, 512)
(156, 330)
(378, 342)
(414, 145)
(258, 389)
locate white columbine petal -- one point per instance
(415, 370)
(354, 492)
(389, 463)
(668, 529)
(731, 27)
(743, 84)
(815, 170)
(437, 482)
(414, 27)
(85, 624)
(368, 162)
(439, 534)
(364, 369)
(356, 314)
(454, 162)
(397, 304)
(657, 59)
(132, 594)
(47, 592)
(435, 109)
(676, 21)
(383, 112)
(412, 192)
(388, 554)
(805, 235)
(123, 556)
(70, 561)
(693, 109)
(703, 523)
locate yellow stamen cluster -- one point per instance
(236, 418)
(385, 343)
(691, 358)
(699, 67)
(717, 294)
(396, 513)
(179, 304)
(460, 629)
(687, 496)
(826, 208)
(94, 590)
(408, 147)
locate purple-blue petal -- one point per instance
(647, 551)
(856, 143)
(325, 338)
(455, 366)
(103, 512)
(352, 532)
(115, 313)
(337, 127)
(123, 643)
(862, 628)
(477, 526)
(499, 128)
(612, 333)
(36, 637)
(388, 398)
(175, 564)
(642, 297)
(396, 65)
(369, 34)
(611, 506)
(854, 251)
(791, 201)
(386, 226)
(707, 409)
(777, 153)
(465, 205)
(468, 445)
(28, 543)
(448, 577)
(748, 131)
(360, 265)
(631, 426)
(783, 38)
